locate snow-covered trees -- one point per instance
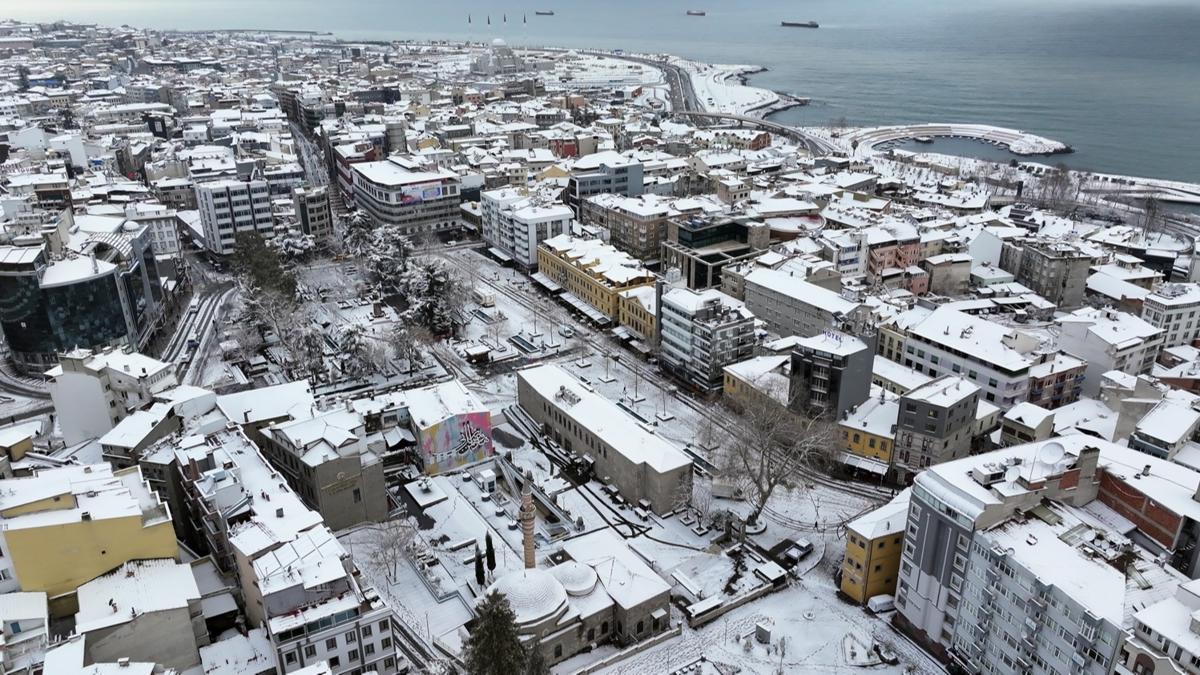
(388, 253)
(258, 266)
(408, 343)
(391, 543)
(293, 245)
(361, 352)
(494, 647)
(434, 293)
(358, 234)
(770, 447)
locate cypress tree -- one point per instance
(494, 647)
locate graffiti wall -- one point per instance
(457, 440)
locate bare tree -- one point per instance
(1151, 216)
(390, 543)
(771, 446)
(409, 343)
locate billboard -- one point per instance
(456, 441)
(422, 192)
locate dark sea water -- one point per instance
(1118, 81)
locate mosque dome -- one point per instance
(533, 594)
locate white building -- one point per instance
(701, 333)
(993, 357)
(1109, 340)
(792, 306)
(313, 212)
(1174, 308)
(25, 622)
(92, 392)
(514, 223)
(228, 207)
(397, 191)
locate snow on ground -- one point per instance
(13, 404)
(583, 70)
(719, 89)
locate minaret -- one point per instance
(527, 525)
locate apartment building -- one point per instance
(398, 191)
(326, 461)
(874, 542)
(93, 391)
(600, 173)
(1007, 568)
(701, 247)
(993, 357)
(229, 207)
(63, 527)
(701, 333)
(1107, 339)
(935, 424)
(514, 224)
(831, 373)
(790, 305)
(313, 212)
(636, 225)
(1053, 269)
(296, 580)
(1056, 379)
(1174, 309)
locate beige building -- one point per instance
(646, 469)
(591, 271)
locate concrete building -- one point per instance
(791, 306)
(1006, 563)
(326, 461)
(701, 333)
(93, 391)
(25, 619)
(759, 381)
(949, 273)
(644, 467)
(1026, 423)
(1053, 269)
(831, 373)
(701, 247)
(1056, 379)
(934, 425)
(995, 358)
(61, 528)
(514, 224)
(313, 212)
(874, 542)
(144, 610)
(229, 207)
(636, 225)
(868, 434)
(1108, 340)
(600, 173)
(397, 191)
(1174, 309)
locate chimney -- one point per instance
(527, 525)
(279, 512)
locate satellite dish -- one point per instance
(1052, 452)
(1012, 474)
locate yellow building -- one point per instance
(762, 380)
(873, 545)
(592, 271)
(869, 430)
(64, 527)
(636, 311)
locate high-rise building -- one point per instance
(831, 373)
(312, 211)
(701, 333)
(229, 207)
(934, 424)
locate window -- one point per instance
(290, 657)
(334, 661)
(350, 637)
(310, 651)
(353, 655)
(368, 649)
(366, 631)
(331, 644)
(558, 651)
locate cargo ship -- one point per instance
(543, 12)
(800, 24)
(697, 12)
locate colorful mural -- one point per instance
(456, 441)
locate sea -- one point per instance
(1117, 80)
